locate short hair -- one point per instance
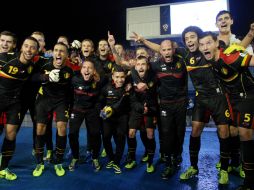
(118, 68)
(38, 33)
(33, 39)
(88, 40)
(8, 33)
(63, 44)
(88, 59)
(209, 33)
(222, 13)
(195, 29)
(119, 45)
(142, 57)
(65, 37)
(141, 48)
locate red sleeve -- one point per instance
(73, 66)
(237, 58)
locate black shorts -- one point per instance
(46, 106)
(243, 112)
(12, 108)
(140, 121)
(216, 106)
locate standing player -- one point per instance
(224, 23)
(232, 69)
(54, 95)
(86, 86)
(15, 70)
(29, 94)
(115, 104)
(209, 96)
(8, 42)
(143, 112)
(172, 90)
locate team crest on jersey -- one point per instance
(110, 65)
(67, 75)
(178, 65)
(93, 85)
(29, 69)
(224, 70)
(198, 58)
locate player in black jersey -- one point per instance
(232, 70)
(115, 108)
(8, 42)
(87, 50)
(207, 88)
(15, 69)
(143, 111)
(87, 87)
(104, 61)
(224, 22)
(146, 138)
(54, 95)
(210, 100)
(172, 92)
(29, 95)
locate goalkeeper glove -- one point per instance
(54, 75)
(106, 112)
(76, 44)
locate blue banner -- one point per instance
(165, 20)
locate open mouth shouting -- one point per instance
(58, 61)
(191, 47)
(86, 53)
(87, 76)
(168, 58)
(103, 52)
(141, 72)
(208, 55)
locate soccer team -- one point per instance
(117, 96)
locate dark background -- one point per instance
(79, 19)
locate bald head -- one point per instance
(166, 43)
(167, 50)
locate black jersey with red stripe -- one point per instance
(86, 93)
(13, 74)
(172, 79)
(232, 69)
(201, 73)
